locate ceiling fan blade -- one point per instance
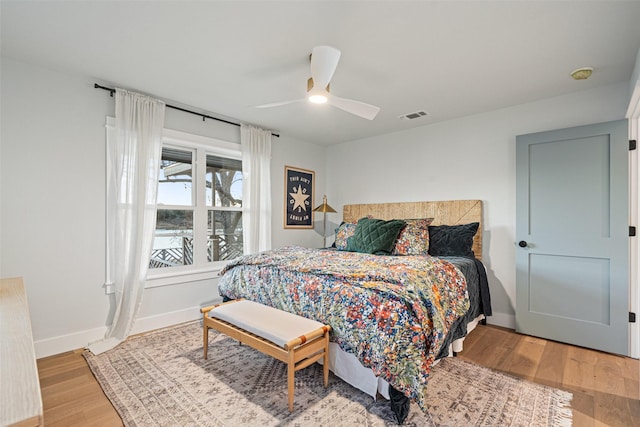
(279, 104)
(366, 111)
(324, 60)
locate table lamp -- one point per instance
(324, 208)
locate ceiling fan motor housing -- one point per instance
(310, 85)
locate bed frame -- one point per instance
(451, 212)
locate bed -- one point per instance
(392, 317)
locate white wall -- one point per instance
(305, 156)
(52, 179)
(52, 214)
(467, 158)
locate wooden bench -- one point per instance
(294, 340)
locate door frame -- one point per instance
(633, 116)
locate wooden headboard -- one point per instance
(452, 212)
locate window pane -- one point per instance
(175, 179)
(224, 182)
(173, 242)
(225, 235)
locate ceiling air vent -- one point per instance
(415, 115)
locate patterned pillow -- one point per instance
(343, 233)
(375, 236)
(414, 238)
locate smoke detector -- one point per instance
(414, 115)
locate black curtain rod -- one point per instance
(204, 116)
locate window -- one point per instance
(173, 241)
(199, 208)
(224, 204)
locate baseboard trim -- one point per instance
(70, 342)
(80, 339)
(502, 319)
(163, 320)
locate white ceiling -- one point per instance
(449, 58)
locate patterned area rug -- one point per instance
(161, 379)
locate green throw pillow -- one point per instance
(375, 236)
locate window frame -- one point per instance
(201, 269)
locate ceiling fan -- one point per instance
(324, 60)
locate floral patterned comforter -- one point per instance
(391, 312)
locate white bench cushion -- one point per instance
(272, 324)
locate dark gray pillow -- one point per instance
(452, 240)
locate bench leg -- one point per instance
(325, 360)
(205, 339)
(291, 371)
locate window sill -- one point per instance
(174, 278)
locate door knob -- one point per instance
(522, 244)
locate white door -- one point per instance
(572, 232)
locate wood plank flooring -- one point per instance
(71, 396)
(605, 387)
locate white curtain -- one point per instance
(256, 188)
(139, 125)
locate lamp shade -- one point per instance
(324, 207)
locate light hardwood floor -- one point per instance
(606, 388)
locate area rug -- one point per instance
(161, 379)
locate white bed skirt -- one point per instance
(347, 367)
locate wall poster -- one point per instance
(298, 187)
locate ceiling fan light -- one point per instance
(315, 94)
(318, 98)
